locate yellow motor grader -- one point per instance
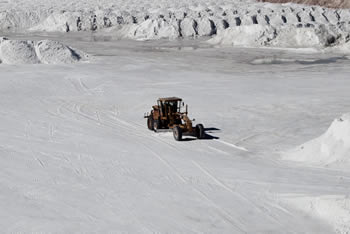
(167, 114)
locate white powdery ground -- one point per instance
(77, 155)
(333, 209)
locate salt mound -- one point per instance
(304, 37)
(285, 36)
(154, 29)
(343, 48)
(31, 52)
(247, 24)
(159, 28)
(52, 52)
(332, 148)
(12, 52)
(63, 21)
(248, 35)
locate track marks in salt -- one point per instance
(223, 213)
(239, 196)
(232, 145)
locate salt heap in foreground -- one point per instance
(33, 52)
(330, 149)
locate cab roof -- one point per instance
(169, 99)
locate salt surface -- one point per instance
(332, 209)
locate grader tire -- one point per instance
(200, 134)
(177, 132)
(150, 123)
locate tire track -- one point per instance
(235, 193)
(77, 109)
(225, 215)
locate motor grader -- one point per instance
(168, 115)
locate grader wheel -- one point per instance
(177, 132)
(150, 123)
(200, 134)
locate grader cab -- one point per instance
(169, 114)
